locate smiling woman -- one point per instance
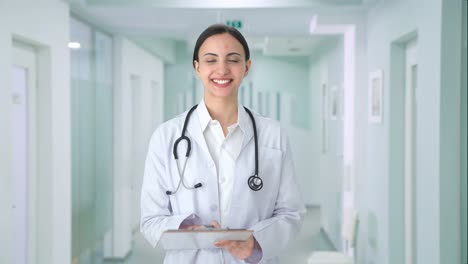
(220, 184)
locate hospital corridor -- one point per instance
(369, 96)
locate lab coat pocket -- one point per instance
(248, 206)
(269, 171)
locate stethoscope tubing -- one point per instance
(254, 182)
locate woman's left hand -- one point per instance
(238, 248)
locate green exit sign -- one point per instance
(234, 23)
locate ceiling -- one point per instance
(276, 27)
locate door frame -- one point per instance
(410, 151)
(26, 56)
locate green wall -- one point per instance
(463, 135)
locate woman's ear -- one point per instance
(247, 67)
(196, 65)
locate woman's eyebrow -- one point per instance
(216, 55)
(210, 54)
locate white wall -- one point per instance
(43, 25)
(131, 60)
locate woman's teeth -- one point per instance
(221, 81)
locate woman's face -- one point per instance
(221, 66)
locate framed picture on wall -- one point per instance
(375, 103)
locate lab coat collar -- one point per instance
(194, 129)
(203, 115)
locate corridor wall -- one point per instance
(20, 21)
(180, 79)
(138, 110)
(463, 135)
(288, 77)
(326, 91)
(437, 203)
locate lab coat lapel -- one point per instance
(245, 124)
(195, 132)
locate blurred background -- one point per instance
(373, 95)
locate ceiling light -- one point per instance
(74, 45)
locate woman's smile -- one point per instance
(222, 83)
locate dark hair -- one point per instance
(220, 29)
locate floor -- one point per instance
(310, 239)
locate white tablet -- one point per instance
(200, 239)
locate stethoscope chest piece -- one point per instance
(255, 183)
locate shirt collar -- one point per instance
(243, 120)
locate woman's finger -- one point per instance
(215, 224)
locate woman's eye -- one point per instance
(210, 61)
(233, 61)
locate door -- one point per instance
(23, 91)
(411, 73)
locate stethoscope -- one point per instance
(255, 182)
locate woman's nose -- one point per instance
(223, 68)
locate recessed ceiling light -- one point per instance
(74, 45)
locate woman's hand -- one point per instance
(238, 248)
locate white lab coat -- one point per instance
(275, 213)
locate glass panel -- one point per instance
(260, 103)
(83, 154)
(267, 104)
(92, 130)
(250, 94)
(278, 106)
(103, 133)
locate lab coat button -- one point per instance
(213, 207)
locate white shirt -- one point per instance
(224, 152)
